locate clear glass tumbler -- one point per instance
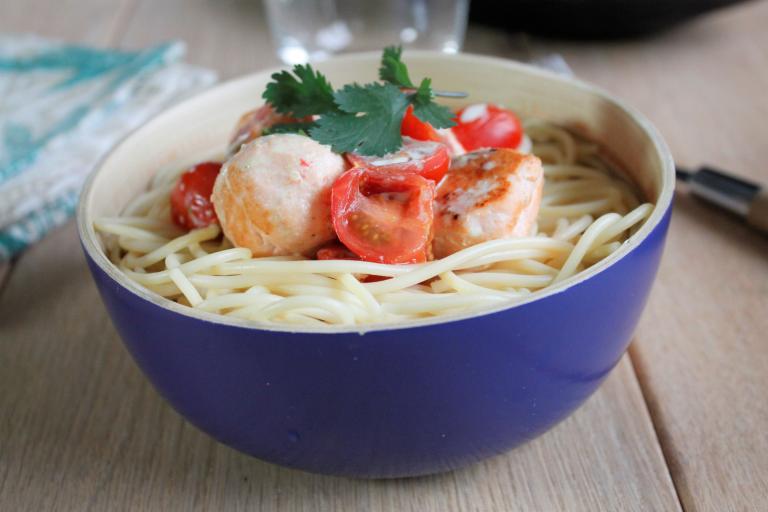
(309, 30)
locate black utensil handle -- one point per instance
(725, 190)
(737, 195)
(757, 215)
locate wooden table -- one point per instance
(682, 423)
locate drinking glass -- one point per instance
(309, 30)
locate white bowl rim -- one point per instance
(91, 246)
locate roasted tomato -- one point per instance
(335, 251)
(428, 159)
(191, 205)
(415, 128)
(383, 216)
(487, 126)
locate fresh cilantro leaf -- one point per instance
(299, 127)
(427, 110)
(392, 69)
(368, 122)
(310, 94)
(365, 119)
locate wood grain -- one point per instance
(229, 36)
(83, 430)
(82, 21)
(702, 355)
(5, 269)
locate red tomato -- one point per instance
(191, 205)
(383, 216)
(428, 159)
(487, 126)
(335, 251)
(415, 128)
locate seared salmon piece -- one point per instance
(273, 196)
(486, 195)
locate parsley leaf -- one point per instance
(392, 69)
(364, 119)
(310, 94)
(427, 110)
(368, 122)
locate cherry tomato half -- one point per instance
(428, 159)
(335, 251)
(383, 216)
(487, 126)
(191, 205)
(415, 128)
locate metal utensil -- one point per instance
(439, 93)
(737, 195)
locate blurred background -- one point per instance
(315, 29)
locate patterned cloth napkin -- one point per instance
(62, 108)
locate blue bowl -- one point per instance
(414, 399)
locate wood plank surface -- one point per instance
(82, 21)
(229, 36)
(67, 442)
(82, 429)
(702, 350)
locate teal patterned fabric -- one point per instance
(62, 107)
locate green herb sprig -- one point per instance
(364, 119)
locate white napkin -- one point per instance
(62, 108)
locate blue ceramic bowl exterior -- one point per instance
(391, 403)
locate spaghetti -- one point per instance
(586, 214)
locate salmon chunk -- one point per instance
(486, 195)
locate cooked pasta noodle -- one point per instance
(586, 214)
